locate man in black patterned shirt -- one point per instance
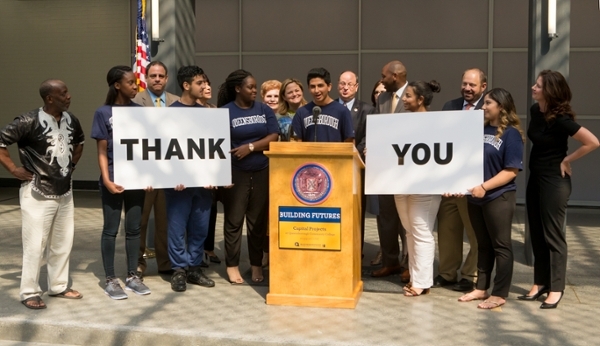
(50, 142)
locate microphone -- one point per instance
(316, 111)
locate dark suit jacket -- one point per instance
(457, 104)
(144, 99)
(359, 113)
(384, 103)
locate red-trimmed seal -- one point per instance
(311, 184)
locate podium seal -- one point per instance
(311, 184)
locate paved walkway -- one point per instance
(238, 315)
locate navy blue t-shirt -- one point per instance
(334, 124)
(179, 104)
(247, 126)
(498, 154)
(102, 129)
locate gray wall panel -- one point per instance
(299, 25)
(217, 25)
(52, 39)
(510, 73)
(585, 24)
(583, 80)
(511, 23)
(585, 186)
(410, 24)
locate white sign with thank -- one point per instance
(424, 152)
(165, 147)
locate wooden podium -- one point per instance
(314, 223)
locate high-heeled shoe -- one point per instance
(541, 290)
(553, 305)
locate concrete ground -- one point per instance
(238, 315)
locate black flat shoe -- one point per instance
(541, 290)
(214, 259)
(553, 305)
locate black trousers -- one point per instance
(249, 199)
(209, 243)
(547, 197)
(389, 228)
(492, 223)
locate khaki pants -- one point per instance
(453, 221)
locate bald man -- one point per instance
(393, 77)
(348, 88)
(50, 142)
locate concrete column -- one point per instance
(178, 31)
(545, 53)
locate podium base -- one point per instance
(317, 301)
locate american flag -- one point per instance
(142, 54)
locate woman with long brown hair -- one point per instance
(492, 204)
(549, 186)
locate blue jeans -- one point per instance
(188, 214)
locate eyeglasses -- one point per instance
(349, 85)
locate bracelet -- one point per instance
(483, 188)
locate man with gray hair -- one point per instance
(50, 142)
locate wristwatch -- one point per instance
(251, 146)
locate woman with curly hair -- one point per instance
(549, 186)
(492, 204)
(269, 93)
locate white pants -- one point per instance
(48, 227)
(417, 214)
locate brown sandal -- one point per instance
(63, 294)
(34, 303)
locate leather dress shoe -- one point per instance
(198, 277)
(378, 259)
(463, 285)
(149, 254)
(439, 281)
(386, 271)
(405, 276)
